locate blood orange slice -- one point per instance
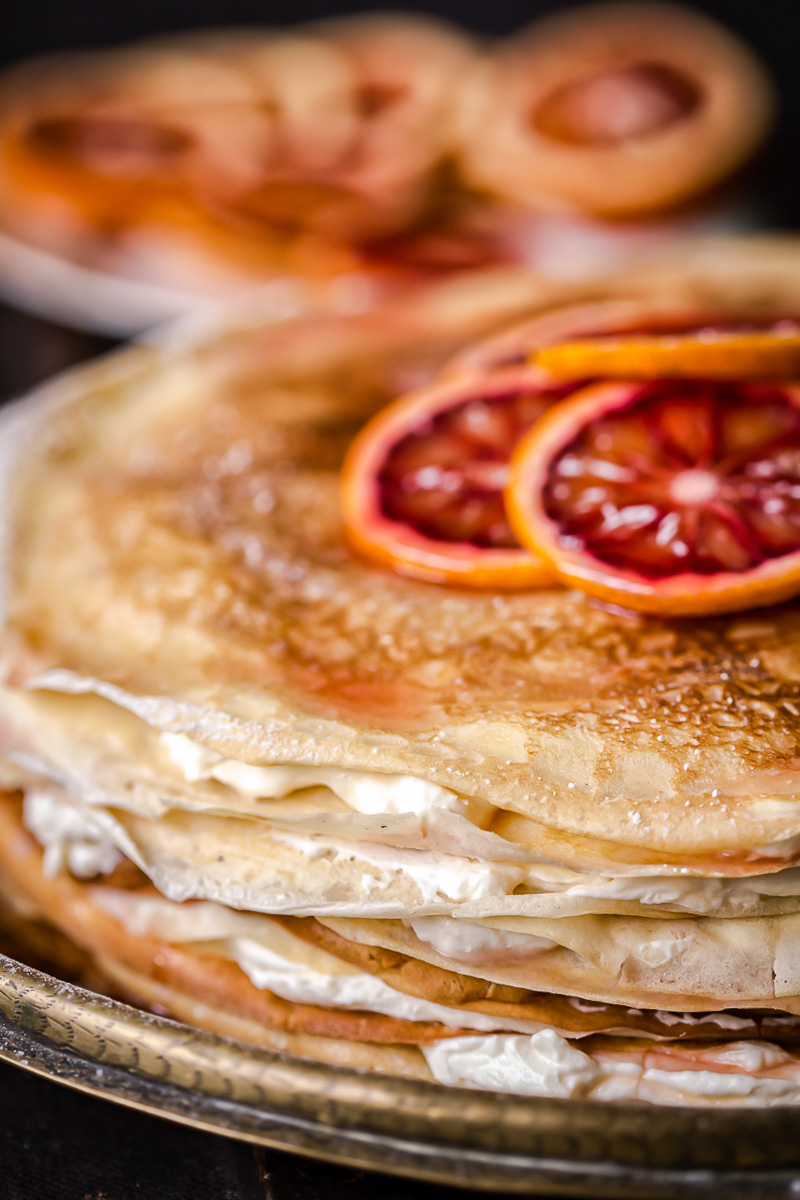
(712, 352)
(422, 485)
(604, 323)
(518, 344)
(671, 497)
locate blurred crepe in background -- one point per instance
(351, 158)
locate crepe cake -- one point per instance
(518, 842)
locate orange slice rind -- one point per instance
(705, 353)
(676, 499)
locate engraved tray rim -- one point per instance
(481, 1140)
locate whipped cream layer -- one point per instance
(465, 940)
(490, 1052)
(373, 793)
(424, 840)
(546, 1064)
(205, 728)
(364, 791)
(329, 814)
(276, 961)
(72, 838)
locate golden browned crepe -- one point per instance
(287, 647)
(552, 846)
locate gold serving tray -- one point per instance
(474, 1139)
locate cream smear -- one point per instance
(545, 1064)
(364, 791)
(70, 836)
(277, 961)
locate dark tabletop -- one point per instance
(58, 1144)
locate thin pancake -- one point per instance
(694, 966)
(689, 963)
(217, 981)
(106, 758)
(699, 965)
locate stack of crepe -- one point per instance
(516, 842)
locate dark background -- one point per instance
(772, 27)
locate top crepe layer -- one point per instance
(176, 546)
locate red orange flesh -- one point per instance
(670, 497)
(422, 485)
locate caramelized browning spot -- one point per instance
(617, 105)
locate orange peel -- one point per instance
(704, 353)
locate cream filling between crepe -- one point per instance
(441, 800)
(458, 943)
(68, 835)
(457, 880)
(372, 793)
(336, 813)
(545, 1064)
(527, 1058)
(365, 792)
(443, 879)
(277, 961)
(463, 940)
(463, 880)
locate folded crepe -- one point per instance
(510, 841)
